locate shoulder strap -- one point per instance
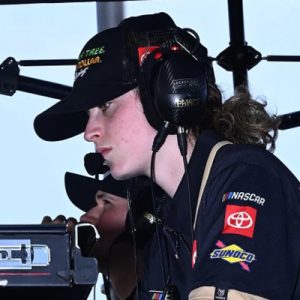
(206, 172)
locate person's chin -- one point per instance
(123, 171)
(117, 174)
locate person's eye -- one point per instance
(105, 106)
(106, 202)
(106, 205)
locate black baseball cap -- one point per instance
(107, 68)
(81, 190)
(101, 74)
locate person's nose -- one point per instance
(94, 214)
(90, 218)
(93, 130)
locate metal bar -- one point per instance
(47, 62)
(109, 15)
(290, 120)
(5, 2)
(237, 39)
(283, 58)
(42, 87)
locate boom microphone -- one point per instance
(93, 163)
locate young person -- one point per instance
(230, 230)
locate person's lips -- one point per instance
(104, 151)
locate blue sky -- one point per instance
(32, 170)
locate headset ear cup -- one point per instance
(141, 206)
(147, 72)
(180, 90)
(140, 227)
(175, 87)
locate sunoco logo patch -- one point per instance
(233, 254)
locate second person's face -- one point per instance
(109, 217)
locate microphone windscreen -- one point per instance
(93, 163)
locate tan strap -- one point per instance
(206, 172)
(209, 293)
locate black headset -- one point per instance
(174, 70)
(174, 88)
